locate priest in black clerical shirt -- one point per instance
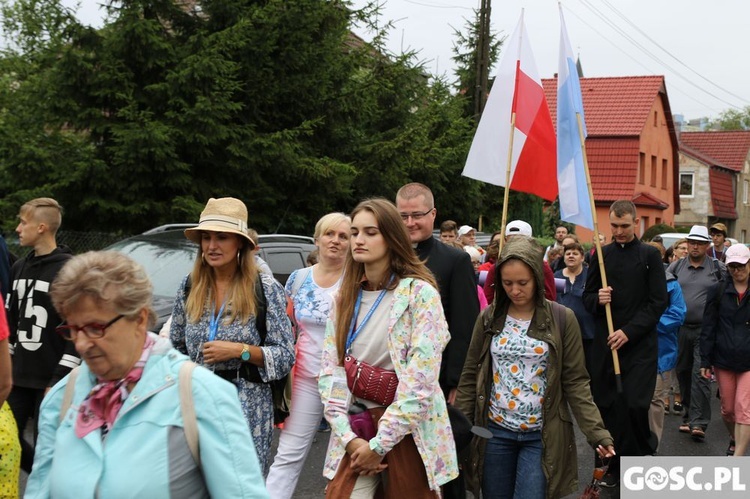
(637, 294)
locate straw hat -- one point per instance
(222, 215)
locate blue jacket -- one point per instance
(145, 453)
(669, 325)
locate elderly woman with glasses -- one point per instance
(114, 427)
(725, 346)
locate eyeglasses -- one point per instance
(416, 215)
(92, 331)
(736, 268)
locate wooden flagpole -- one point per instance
(506, 193)
(600, 256)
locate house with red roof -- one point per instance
(715, 180)
(631, 146)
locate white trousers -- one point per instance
(296, 438)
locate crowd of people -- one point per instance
(439, 366)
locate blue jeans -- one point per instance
(513, 465)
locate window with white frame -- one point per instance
(686, 184)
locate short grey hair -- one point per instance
(107, 277)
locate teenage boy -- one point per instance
(448, 231)
(718, 233)
(40, 356)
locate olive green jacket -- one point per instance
(567, 384)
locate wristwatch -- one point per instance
(245, 356)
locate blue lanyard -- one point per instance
(213, 323)
(353, 333)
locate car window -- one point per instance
(284, 261)
(166, 266)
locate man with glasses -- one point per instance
(458, 289)
(40, 356)
(697, 274)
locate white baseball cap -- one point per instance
(738, 253)
(465, 229)
(518, 228)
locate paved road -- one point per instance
(312, 484)
(674, 443)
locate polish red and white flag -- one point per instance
(516, 101)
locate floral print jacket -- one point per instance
(417, 335)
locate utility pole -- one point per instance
(483, 58)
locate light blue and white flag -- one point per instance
(575, 205)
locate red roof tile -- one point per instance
(722, 193)
(617, 106)
(729, 148)
(646, 199)
(616, 111)
(702, 157)
(613, 166)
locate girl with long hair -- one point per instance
(380, 366)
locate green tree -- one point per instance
(35, 159)
(733, 119)
(274, 102)
(466, 55)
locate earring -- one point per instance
(239, 262)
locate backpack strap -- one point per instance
(300, 276)
(70, 389)
(260, 311)
(299, 279)
(720, 270)
(187, 407)
(559, 313)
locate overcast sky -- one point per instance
(705, 43)
(700, 46)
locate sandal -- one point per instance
(684, 428)
(730, 449)
(698, 433)
(677, 407)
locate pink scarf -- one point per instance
(101, 406)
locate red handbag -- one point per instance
(369, 382)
